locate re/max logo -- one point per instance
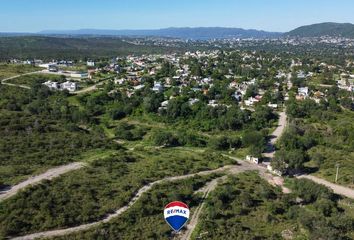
(176, 211)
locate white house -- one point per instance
(158, 87)
(52, 85)
(193, 101)
(91, 63)
(252, 159)
(251, 101)
(70, 86)
(303, 91)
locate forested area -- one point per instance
(246, 207)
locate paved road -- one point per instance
(341, 190)
(50, 174)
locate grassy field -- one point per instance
(37, 78)
(10, 70)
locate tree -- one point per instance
(262, 116)
(220, 143)
(163, 138)
(255, 141)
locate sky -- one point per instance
(269, 15)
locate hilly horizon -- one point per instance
(198, 33)
(206, 33)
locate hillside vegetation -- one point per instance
(69, 48)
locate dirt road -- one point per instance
(186, 235)
(341, 190)
(4, 81)
(274, 137)
(50, 174)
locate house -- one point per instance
(139, 87)
(251, 101)
(52, 85)
(158, 87)
(163, 106)
(70, 86)
(238, 96)
(301, 75)
(213, 103)
(273, 106)
(303, 91)
(193, 101)
(252, 159)
(91, 63)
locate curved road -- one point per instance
(85, 90)
(4, 81)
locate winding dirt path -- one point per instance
(144, 189)
(4, 81)
(48, 175)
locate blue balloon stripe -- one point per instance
(176, 222)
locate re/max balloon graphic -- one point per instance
(176, 215)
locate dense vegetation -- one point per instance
(89, 194)
(39, 129)
(319, 137)
(144, 220)
(69, 48)
(246, 207)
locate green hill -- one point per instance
(324, 29)
(71, 48)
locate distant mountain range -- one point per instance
(202, 33)
(206, 33)
(324, 29)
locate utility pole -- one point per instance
(337, 166)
